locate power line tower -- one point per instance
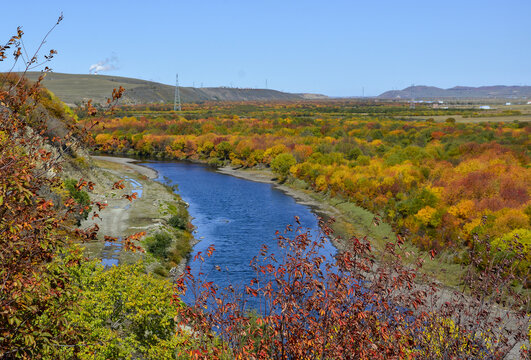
(177, 100)
(412, 103)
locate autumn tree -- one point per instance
(37, 226)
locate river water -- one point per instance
(235, 215)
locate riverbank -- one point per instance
(149, 212)
(325, 207)
(129, 163)
(350, 221)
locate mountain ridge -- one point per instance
(73, 89)
(459, 92)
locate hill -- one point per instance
(459, 92)
(76, 88)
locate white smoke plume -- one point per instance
(105, 65)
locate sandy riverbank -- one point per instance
(130, 163)
(148, 212)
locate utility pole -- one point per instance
(177, 100)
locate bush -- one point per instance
(178, 222)
(158, 244)
(282, 163)
(120, 316)
(363, 160)
(80, 196)
(215, 162)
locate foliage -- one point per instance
(158, 244)
(37, 289)
(81, 197)
(516, 244)
(357, 306)
(33, 284)
(282, 163)
(178, 222)
(125, 314)
(370, 154)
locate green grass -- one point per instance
(355, 221)
(76, 88)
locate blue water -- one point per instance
(237, 216)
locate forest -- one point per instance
(439, 183)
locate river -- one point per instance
(235, 215)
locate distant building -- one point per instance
(507, 103)
(529, 103)
(484, 107)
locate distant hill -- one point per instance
(76, 88)
(459, 92)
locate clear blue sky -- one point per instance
(331, 47)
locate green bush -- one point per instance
(178, 222)
(282, 163)
(124, 313)
(363, 160)
(80, 196)
(158, 244)
(181, 248)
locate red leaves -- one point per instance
(210, 250)
(81, 184)
(199, 256)
(130, 197)
(100, 205)
(118, 185)
(251, 291)
(128, 242)
(305, 307)
(399, 240)
(87, 234)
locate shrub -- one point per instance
(282, 163)
(178, 222)
(124, 312)
(80, 196)
(158, 244)
(360, 304)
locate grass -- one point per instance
(353, 220)
(76, 88)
